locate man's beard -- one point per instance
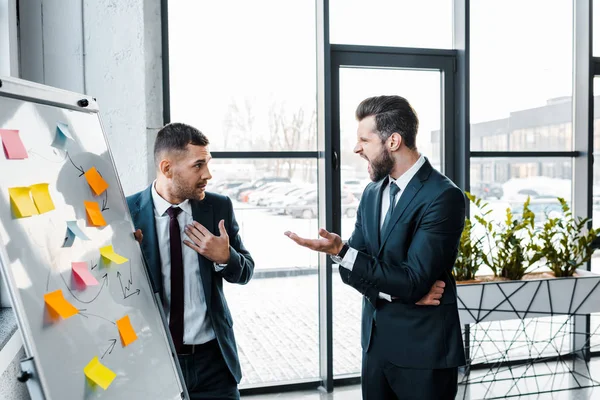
(183, 191)
(381, 166)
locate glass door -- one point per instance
(427, 87)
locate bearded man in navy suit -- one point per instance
(406, 237)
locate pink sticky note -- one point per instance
(81, 272)
(13, 146)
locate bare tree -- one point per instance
(292, 130)
(238, 125)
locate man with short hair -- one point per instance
(191, 245)
(406, 237)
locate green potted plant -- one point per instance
(470, 255)
(514, 244)
(565, 243)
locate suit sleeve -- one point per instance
(240, 267)
(357, 241)
(432, 251)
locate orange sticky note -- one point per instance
(59, 305)
(82, 274)
(96, 182)
(99, 374)
(109, 253)
(126, 331)
(94, 214)
(41, 197)
(21, 202)
(13, 146)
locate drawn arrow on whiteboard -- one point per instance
(104, 282)
(80, 168)
(110, 348)
(87, 315)
(127, 288)
(105, 201)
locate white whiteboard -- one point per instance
(34, 262)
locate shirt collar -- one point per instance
(404, 179)
(161, 205)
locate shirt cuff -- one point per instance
(349, 259)
(219, 267)
(385, 296)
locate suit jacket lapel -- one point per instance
(143, 218)
(406, 197)
(202, 212)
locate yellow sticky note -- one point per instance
(94, 214)
(96, 182)
(126, 331)
(58, 305)
(99, 374)
(21, 202)
(41, 197)
(109, 253)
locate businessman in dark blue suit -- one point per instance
(406, 237)
(191, 244)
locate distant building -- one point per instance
(546, 128)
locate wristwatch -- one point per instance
(340, 256)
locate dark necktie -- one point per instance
(176, 312)
(394, 189)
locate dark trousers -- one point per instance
(206, 375)
(382, 380)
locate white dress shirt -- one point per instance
(197, 328)
(402, 183)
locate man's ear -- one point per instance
(394, 141)
(166, 168)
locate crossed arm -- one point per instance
(432, 251)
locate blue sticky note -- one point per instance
(62, 135)
(74, 228)
(69, 238)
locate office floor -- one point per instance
(353, 393)
(557, 380)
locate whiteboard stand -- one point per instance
(29, 376)
(33, 260)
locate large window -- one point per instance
(521, 101)
(521, 74)
(245, 74)
(245, 78)
(397, 23)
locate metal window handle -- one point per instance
(335, 160)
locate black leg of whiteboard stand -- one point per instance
(30, 377)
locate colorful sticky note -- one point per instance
(109, 253)
(94, 214)
(62, 134)
(99, 374)
(82, 274)
(73, 227)
(41, 197)
(73, 231)
(13, 146)
(69, 238)
(58, 305)
(126, 331)
(96, 182)
(21, 202)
